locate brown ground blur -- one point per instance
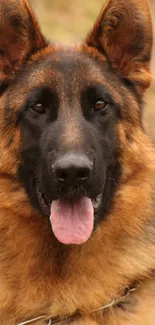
(67, 21)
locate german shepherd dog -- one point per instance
(77, 227)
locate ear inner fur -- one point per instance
(124, 32)
(20, 36)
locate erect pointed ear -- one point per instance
(20, 35)
(124, 32)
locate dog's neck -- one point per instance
(116, 302)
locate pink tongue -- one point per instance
(72, 221)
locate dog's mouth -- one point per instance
(71, 218)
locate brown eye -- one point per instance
(38, 108)
(100, 105)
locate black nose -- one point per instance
(73, 168)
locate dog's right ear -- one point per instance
(20, 36)
(123, 32)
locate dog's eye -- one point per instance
(38, 108)
(100, 105)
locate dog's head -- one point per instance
(66, 113)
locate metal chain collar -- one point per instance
(57, 320)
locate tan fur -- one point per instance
(39, 276)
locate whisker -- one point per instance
(31, 178)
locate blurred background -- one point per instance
(67, 21)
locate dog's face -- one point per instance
(69, 138)
(68, 105)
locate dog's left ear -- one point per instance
(20, 36)
(123, 32)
